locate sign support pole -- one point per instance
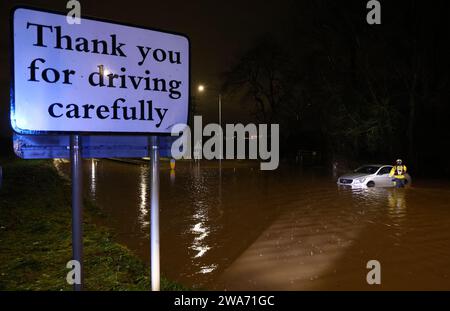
(77, 205)
(154, 215)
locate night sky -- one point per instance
(339, 85)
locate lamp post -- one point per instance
(201, 88)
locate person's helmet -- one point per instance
(399, 161)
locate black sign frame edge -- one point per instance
(82, 133)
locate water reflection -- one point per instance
(143, 197)
(396, 199)
(207, 269)
(93, 183)
(366, 194)
(172, 177)
(290, 228)
(200, 232)
(397, 209)
(200, 228)
(59, 165)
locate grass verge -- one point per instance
(35, 237)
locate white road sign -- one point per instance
(96, 76)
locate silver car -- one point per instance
(371, 175)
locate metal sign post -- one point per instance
(40, 111)
(154, 215)
(77, 205)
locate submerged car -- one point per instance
(373, 175)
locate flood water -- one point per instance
(283, 230)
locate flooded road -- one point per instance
(282, 230)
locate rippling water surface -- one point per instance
(288, 229)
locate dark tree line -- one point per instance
(348, 89)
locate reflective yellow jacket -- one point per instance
(398, 171)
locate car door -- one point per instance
(382, 178)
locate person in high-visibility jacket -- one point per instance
(398, 172)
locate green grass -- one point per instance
(35, 237)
